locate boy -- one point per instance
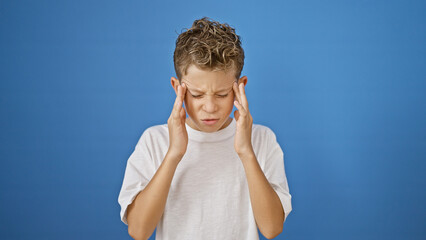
(208, 176)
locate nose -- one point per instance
(209, 104)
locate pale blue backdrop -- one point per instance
(342, 84)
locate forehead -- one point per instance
(208, 80)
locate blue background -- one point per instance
(342, 84)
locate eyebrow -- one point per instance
(201, 91)
(190, 88)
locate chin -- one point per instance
(210, 128)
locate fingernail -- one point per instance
(183, 84)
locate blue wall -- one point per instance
(342, 83)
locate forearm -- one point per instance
(147, 208)
(267, 208)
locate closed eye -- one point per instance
(199, 96)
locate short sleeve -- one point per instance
(138, 173)
(275, 171)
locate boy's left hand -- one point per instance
(242, 143)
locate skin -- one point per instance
(146, 210)
(209, 94)
(267, 208)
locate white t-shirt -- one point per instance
(209, 195)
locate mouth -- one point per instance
(210, 121)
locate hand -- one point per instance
(178, 136)
(242, 143)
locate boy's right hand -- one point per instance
(178, 136)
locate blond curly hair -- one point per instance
(209, 45)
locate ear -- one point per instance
(175, 83)
(243, 79)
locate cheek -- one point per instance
(228, 103)
(190, 105)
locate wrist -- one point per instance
(244, 153)
(175, 155)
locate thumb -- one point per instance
(182, 113)
(236, 115)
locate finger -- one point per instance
(236, 115)
(184, 89)
(183, 86)
(236, 91)
(182, 113)
(240, 108)
(244, 101)
(177, 96)
(178, 103)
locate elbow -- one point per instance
(136, 234)
(133, 234)
(272, 235)
(136, 229)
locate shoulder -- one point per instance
(154, 133)
(262, 131)
(156, 129)
(262, 138)
(265, 143)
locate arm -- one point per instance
(267, 208)
(147, 208)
